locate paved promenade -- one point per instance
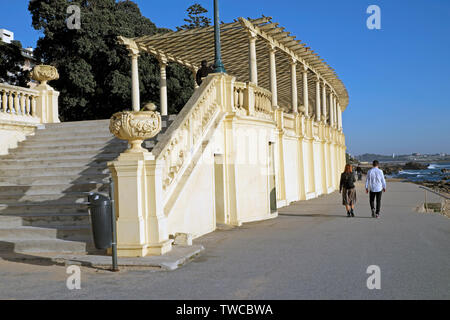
(311, 251)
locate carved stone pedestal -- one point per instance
(141, 223)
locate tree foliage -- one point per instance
(11, 62)
(349, 159)
(196, 18)
(95, 71)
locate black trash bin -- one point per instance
(101, 215)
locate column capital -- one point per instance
(130, 44)
(293, 61)
(272, 48)
(162, 60)
(134, 55)
(304, 68)
(252, 35)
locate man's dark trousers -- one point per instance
(372, 197)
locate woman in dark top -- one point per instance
(347, 187)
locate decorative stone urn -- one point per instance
(136, 126)
(302, 109)
(44, 73)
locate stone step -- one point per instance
(51, 163)
(54, 188)
(54, 134)
(60, 179)
(94, 147)
(43, 246)
(10, 222)
(78, 124)
(92, 154)
(24, 232)
(46, 135)
(55, 198)
(74, 233)
(47, 207)
(50, 171)
(67, 141)
(50, 220)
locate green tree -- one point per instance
(11, 63)
(196, 18)
(95, 71)
(349, 159)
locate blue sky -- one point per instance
(398, 78)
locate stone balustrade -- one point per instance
(186, 133)
(23, 109)
(251, 100)
(18, 103)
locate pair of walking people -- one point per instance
(375, 185)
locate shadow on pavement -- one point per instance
(7, 254)
(322, 216)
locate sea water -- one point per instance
(432, 173)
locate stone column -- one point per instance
(331, 108)
(294, 94)
(305, 90)
(163, 85)
(252, 57)
(318, 99)
(324, 102)
(136, 103)
(273, 76)
(194, 73)
(335, 111)
(339, 116)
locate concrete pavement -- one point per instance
(311, 251)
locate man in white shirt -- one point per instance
(376, 184)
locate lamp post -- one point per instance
(218, 65)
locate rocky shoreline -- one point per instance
(394, 168)
(442, 186)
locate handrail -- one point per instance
(23, 89)
(435, 192)
(186, 132)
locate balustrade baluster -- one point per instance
(241, 98)
(16, 103)
(4, 101)
(33, 106)
(27, 105)
(22, 104)
(10, 102)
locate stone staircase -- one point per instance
(44, 185)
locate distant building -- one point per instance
(6, 35)
(30, 61)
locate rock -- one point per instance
(415, 166)
(390, 169)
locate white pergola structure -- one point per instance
(257, 51)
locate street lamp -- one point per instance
(218, 65)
